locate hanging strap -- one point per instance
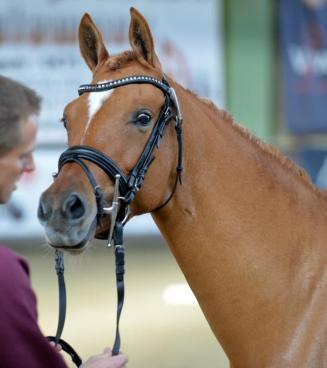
(59, 258)
(120, 270)
(68, 349)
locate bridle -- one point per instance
(125, 189)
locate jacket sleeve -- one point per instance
(22, 344)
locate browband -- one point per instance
(136, 79)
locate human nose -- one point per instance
(29, 164)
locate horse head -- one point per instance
(116, 116)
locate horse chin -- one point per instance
(80, 245)
(74, 249)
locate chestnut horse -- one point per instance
(246, 226)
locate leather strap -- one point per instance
(78, 153)
(98, 193)
(133, 79)
(67, 348)
(120, 271)
(179, 168)
(59, 258)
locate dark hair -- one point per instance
(17, 102)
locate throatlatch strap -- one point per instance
(120, 270)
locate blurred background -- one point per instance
(263, 61)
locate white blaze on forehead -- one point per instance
(95, 101)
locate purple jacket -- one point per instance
(22, 344)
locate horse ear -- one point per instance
(91, 43)
(141, 40)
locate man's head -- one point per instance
(19, 107)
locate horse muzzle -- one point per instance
(68, 220)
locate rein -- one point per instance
(126, 187)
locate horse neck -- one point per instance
(240, 227)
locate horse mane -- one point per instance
(264, 147)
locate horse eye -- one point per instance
(143, 118)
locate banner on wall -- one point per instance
(303, 32)
(38, 46)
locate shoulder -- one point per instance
(16, 294)
(22, 343)
(12, 264)
(14, 277)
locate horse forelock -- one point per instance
(120, 60)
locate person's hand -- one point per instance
(106, 360)
(58, 347)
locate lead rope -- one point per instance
(120, 271)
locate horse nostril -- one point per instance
(43, 211)
(73, 207)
